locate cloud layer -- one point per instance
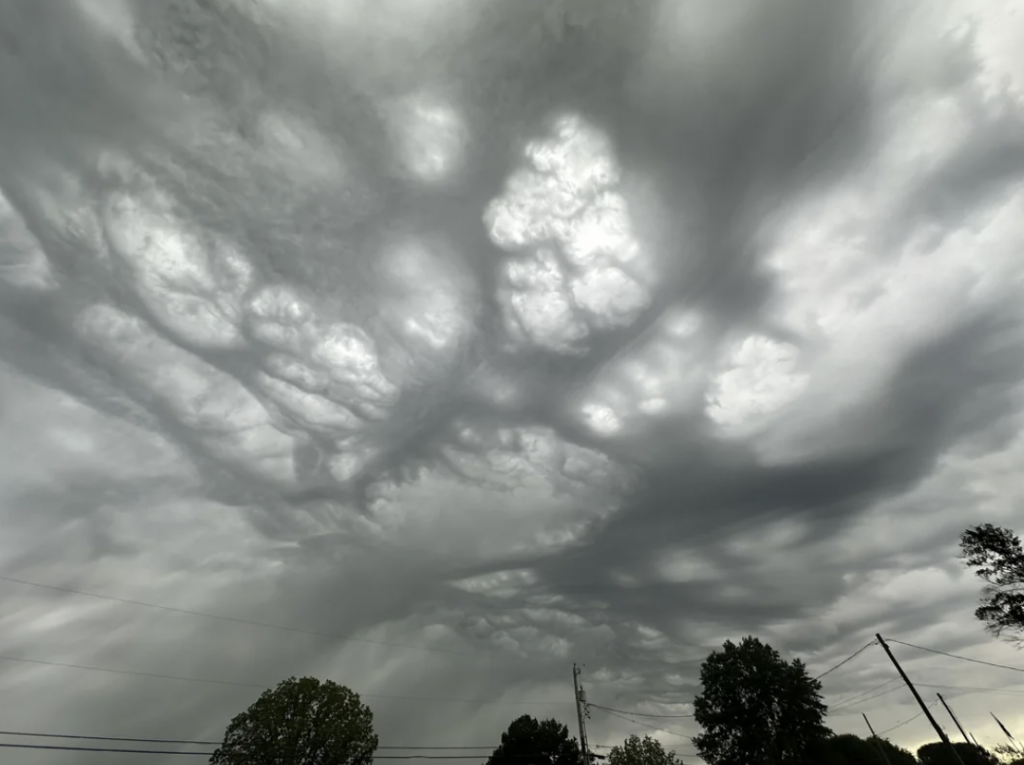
(467, 340)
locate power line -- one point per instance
(900, 725)
(110, 738)
(852, 656)
(637, 722)
(249, 622)
(132, 672)
(198, 742)
(54, 747)
(972, 689)
(99, 749)
(192, 742)
(849, 700)
(869, 698)
(636, 714)
(955, 656)
(270, 685)
(617, 746)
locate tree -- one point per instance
(301, 722)
(530, 742)
(896, 755)
(756, 708)
(998, 559)
(637, 751)
(849, 749)
(938, 753)
(1008, 754)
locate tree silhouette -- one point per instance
(849, 749)
(301, 722)
(756, 708)
(998, 559)
(896, 755)
(1008, 754)
(531, 742)
(938, 753)
(645, 751)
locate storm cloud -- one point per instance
(435, 346)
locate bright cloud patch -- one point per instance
(223, 416)
(194, 288)
(430, 137)
(658, 378)
(578, 270)
(760, 376)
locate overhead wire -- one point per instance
(851, 699)
(972, 689)
(637, 722)
(901, 724)
(199, 742)
(615, 746)
(55, 747)
(636, 714)
(32, 734)
(202, 742)
(101, 749)
(253, 623)
(955, 656)
(908, 720)
(270, 685)
(612, 711)
(851, 657)
(869, 698)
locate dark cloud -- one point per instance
(469, 340)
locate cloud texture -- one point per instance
(467, 340)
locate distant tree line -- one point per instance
(754, 708)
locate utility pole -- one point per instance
(958, 725)
(878, 741)
(581, 701)
(942, 734)
(1013, 741)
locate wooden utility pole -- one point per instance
(1013, 741)
(878, 741)
(580, 701)
(958, 725)
(924, 708)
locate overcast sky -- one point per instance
(466, 339)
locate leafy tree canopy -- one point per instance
(897, 754)
(531, 742)
(756, 708)
(848, 749)
(645, 751)
(998, 559)
(1008, 754)
(301, 722)
(938, 753)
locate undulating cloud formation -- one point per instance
(435, 345)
